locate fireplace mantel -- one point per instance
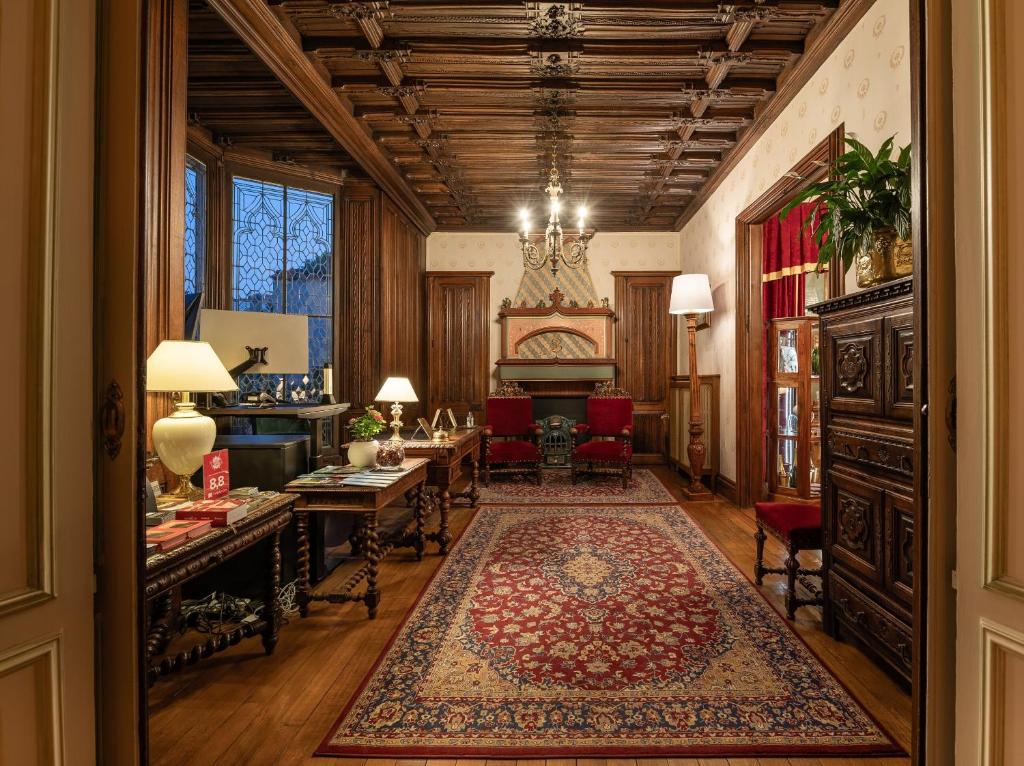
(556, 342)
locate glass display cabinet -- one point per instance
(794, 389)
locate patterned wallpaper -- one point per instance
(500, 253)
(865, 84)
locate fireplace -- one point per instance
(556, 415)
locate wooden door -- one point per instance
(458, 327)
(645, 354)
(988, 103)
(47, 704)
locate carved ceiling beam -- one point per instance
(367, 16)
(258, 26)
(390, 62)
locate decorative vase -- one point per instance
(888, 258)
(391, 454)
(363, 454)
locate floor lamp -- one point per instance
(691, 295)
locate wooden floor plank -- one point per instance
(242, 707)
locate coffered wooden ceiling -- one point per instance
(640, 102)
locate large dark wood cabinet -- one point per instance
(869, 457)
(459, 337)
(645, 355)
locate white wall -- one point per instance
(864, 84)
(500, 253)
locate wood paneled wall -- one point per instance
(381, 327)
(645, 353)
(459, 321)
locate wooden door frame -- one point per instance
(749, 325)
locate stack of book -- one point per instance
(171, 534)
(379, 479)
(219, 513)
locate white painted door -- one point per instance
(47, 49)
(988, 103)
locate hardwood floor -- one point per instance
(242, 707)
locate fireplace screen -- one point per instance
(555, 441)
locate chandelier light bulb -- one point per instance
(556, 207)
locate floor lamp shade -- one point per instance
(183, 437)
(691, 294)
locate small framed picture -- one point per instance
(704, 321)
(436, 420)
(428, 429)
(451, 419)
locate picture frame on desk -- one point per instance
(427, 428)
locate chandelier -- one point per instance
(553, 246)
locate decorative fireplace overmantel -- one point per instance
(556, 342)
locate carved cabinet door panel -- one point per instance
(899, 366)
(458, 326)
(899, 547)
(645, 350)
(854, 380)
(857, 526)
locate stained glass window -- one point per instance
(195, 228)
(282, 256)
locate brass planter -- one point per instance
(889, 258)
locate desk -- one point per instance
(313, 414)
(365, 503)
(167, 571)
(446, 459)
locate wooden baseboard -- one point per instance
(648, 459)
(726, 487)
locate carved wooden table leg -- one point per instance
(444, 535)
(273, 606)
(372, 553)
(474, 488)
(302, 561)
(419, 514)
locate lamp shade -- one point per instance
(396, 390)
(186, 365)
(691, 294)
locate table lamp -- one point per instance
(183, 437)
(396, 390)
(691, 295)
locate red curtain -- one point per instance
(788, 252)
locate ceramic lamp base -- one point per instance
(181, 440)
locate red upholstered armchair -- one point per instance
(511, 438)
(610, 428)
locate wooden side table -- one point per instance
(167, 571)
(446, 463)
(365, 503)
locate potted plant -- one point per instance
(362, 451)
(866, 212)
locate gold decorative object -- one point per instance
(889, 258)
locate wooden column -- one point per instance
(165, 129)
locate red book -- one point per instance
(220, 513)
(191, 528)
(165, 538)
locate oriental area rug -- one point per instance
(517, 489)
(605, 631)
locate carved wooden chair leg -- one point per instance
(759, 537)
(540, 476)
(625, 477)
(792, 567)
(487, 474)
(572, 474)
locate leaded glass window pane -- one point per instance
(283, 262)
(195, 228)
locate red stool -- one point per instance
(798, 527)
